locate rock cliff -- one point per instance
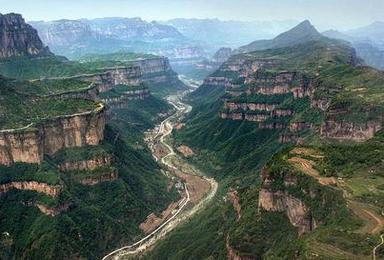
(105, 177)
(345, 130)
(90, 164)
(17, 38)
(110, 77)
(53, 212)
(281, 201)
(50, 190)
(31, 143)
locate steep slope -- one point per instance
(18, 38)
(307, 104)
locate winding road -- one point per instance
(165, 129)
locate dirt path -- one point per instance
(199, 190)
(306, 166)
(374, 221)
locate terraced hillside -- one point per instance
(294, 135)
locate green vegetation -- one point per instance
(81, 153)
(120, 90)
(234, 152)
(117, 56)
(50, 87)
(29, 172)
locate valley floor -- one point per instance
(196, 189)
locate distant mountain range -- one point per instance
(217, 33)
(368, 42)
(75, 38)
(177, 38)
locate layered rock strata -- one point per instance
(50, 190)
(29, 144)
(281, 201)
(18, 38)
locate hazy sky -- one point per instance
(340, 14)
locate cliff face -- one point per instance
(349, 130)
(280, 201)
(259, 90)
(18, 38)
(222, 55)
(30, 144)
(50, 190)
(158, 71)
(64, 32)
(106, 177)
(53, 212)
(122, 101)
(91, 164)
(110, 77)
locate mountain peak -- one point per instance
(304, 28)
(17, 38)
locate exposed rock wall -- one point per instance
(53, 212)
(86, 164)
(349, 130)
(123, 100)
(106, 177)
(110, 77)
(50, 190)
(30, 144)
(280, 201)
(18, 38)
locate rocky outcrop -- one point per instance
(90, 164)
(256, 117)
(122, 101)
(105, 177)
(295, 209)
(232, 254)
(349, 131)
(53, 212)
(222, 55)
(17, 38)
(110, 77)
(281, 112)
(217, 82)
(249, 106)
(274, 125)
(296, 127)
(322, 104)
(232, 116)
(281, 201)
(288, 138)
(50, 190)
(29, 144)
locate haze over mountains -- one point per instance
(269, 146)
